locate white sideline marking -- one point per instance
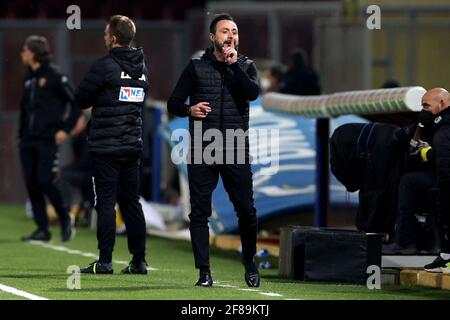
(78, 252)
(92, 255)
(270, 294)
(225, 285)
(250, 290)
(20, 293)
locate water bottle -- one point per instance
(263, 254)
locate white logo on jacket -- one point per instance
(131, 94)
(123, 75)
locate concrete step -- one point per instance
(426, 279)
(390, 276)
(396, 270)
(409, 277)
(406, 262)
(429, 279)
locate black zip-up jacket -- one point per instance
(227, 88)
(441, 159)
(115, 87)
(46, 105)
(301, 80)
(370, 158)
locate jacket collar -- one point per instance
(209, 55)
(443, 117)
(39, 71)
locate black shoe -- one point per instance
(396, 249)
(38, 235)
(97, 267)
(86, 220)
(205, 279)
(252, 277)
(438, 265)
(67, 231)
(135, 268)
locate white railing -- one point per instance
(361, 102)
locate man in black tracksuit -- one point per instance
(300, 79)
(437, 101)
(219, 86)
(46, 119)
(78, 174)
(115, 88)
(416, 185)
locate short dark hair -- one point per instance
(277, 72)
(299, 57)
(39, 46)
(123, 28)
(391, 84)
(216, 19)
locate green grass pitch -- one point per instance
(42, 271)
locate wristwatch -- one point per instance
(189, 111)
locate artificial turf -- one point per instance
(42, 271)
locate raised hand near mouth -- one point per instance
(230, 55)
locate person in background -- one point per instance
(389, 84)
(301, 79)
(77, 176)
(271, 79)
(416, 188)
(47, 117)
(437, 102)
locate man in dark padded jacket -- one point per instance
(219, 86)
(47, 117)
(115, 87)
(437, 102)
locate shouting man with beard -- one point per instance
(219, 87)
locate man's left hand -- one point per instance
(420, 145)
(61, 136)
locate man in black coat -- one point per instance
(370, 158)
(219, 86)
(47, 117)
(300, 79)
(115, 87)
(416, 188)
(77, 176)
(437, 102)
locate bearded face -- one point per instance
(226, 35)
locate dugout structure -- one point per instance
(324, 107)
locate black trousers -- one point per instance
(415, 194)
(76, 178)
(40, 168)
(117, 179)
(237, 180)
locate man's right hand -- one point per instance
(416, 146)
(61, 136)
(200, 110)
